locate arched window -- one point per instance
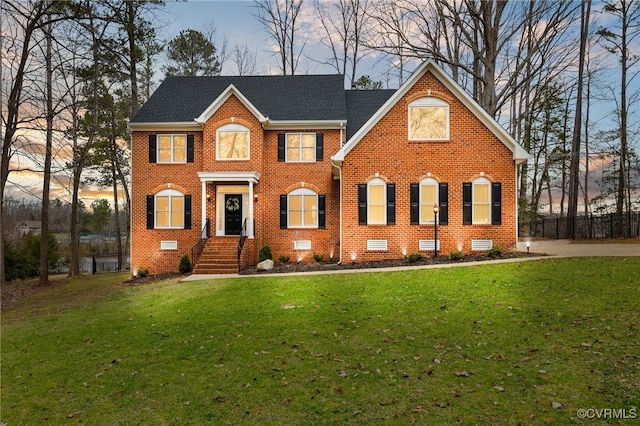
(232, 142)
(428, 119)
(302, 208)
(428, 199)
(376, 202)
(169, 209)
(481, 196)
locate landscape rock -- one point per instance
(265, 265)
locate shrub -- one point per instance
(284, 258)
(143, 272)
(317, 257)
(456, 255)
(414, 257)
(265, 253)
(185, 264)
(494, 252)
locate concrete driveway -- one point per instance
(568, 248)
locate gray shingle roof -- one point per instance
(299, 97)
(361, 105)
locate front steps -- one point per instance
(219, 256)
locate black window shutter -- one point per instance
(152, 148)
(322, 212)
(281, 146)
(283, 211)
(362, 204)
(443, 199)
(187, 212)
(150, 212)
(319, 146)
(466, 204)
(190, 149)
(496, 203)
(414, 202)
(391, 204)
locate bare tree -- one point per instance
(343, 24)
(27, 18)
(245, 59)
(574, 167)
(280, 20)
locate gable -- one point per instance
(519, 153)
(299, 98)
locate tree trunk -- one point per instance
(574, 166)
(44, 234)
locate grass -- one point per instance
(492, 344)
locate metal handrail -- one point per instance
(243, 237)
(198, 247)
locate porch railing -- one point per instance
(198, 247)
(242, 239)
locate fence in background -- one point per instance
(584, 227)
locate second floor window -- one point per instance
(428, 119)
(172, 148)
(232, 142)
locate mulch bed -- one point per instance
(283, 268)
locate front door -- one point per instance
(232, 214)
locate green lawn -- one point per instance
(490, 344)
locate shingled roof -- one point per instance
(361, 105)
(291, 98)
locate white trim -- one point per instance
(519, 153)
(222, 98)
(485, 182)
(429, 102)
(303, 124)
(300, 147)
(164, 126)
(172, 148)
(431, 182)
(252, 177)
(383, 184)
(233, 128)
(302, 192)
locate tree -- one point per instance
(574, 167)
(365, 83)
(343, 23)
(245, 59)
(280, 20)
(26, 20)
(627, 27)
(191, 54)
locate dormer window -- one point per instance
(428, 120)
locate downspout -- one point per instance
(341, 201)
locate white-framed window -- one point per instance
(300, 147)
(481, 201)
(232, 142)
(171, 148)
(302, 208)
(428, 119)
(428, 199)
(169, 209)
(376, 202)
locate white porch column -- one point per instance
(204, 204)
(250, 227)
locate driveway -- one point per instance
(568, 248)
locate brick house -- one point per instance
(303, 166)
